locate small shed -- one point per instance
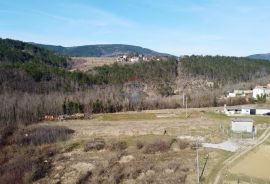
(242, 125)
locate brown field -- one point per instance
(171, 164)
(87, 63)
(256, 164)
(141, 133)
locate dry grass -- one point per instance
(96, 144)
(119, 146)
(87, 63)
(127, 117)
(256, 164)
(132, 135)
(38, 135)
(26, 164)
(157, 146)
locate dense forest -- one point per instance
(225, 69)
(35, 82)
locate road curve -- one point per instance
(237, 155)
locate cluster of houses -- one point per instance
(133, 58)
(258, 91)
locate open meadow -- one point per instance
(140, 147)
(87, 63)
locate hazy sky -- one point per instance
(224, 27)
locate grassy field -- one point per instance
(87, 63)
(147, 128)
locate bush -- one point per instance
(139, 145)
(83, 178)
(183, 144)
(42, 135)
(158, 146)
(40, 168)
(119, 146)
(96, 144)
(5, 133)
(195, 145)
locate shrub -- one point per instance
(158, 146)
(96, 144)
(119, 146)
(5, 133)
(40, 168)
(72, 146)
(83, 178)
(183, 144)
(195, 145)
(42, 135)
(139, 145)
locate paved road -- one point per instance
(237, 155)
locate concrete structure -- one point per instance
(245, 111)
(260, 91)
(240, 125)
(231, 111)
(262, 111)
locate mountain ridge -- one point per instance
(101, 50)
(260, 56)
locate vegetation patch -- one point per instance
(157, 146)
(129, 116)
(119, 146)
(96, 144)
(38, 135)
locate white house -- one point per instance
(245, 111)
(260, 90)
(239, 93)
(134, 59)
(231, 95)
(240, 125)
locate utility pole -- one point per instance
(197, 160)
(183, 99)
(186, 107)
(206, 159)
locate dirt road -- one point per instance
(237, 155)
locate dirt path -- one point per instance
(236, 156)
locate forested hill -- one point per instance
(29, 68)
(106, 50)
(260, 56)
(36, 82)
(13, 51)
(225, 69)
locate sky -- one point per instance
(179, 27)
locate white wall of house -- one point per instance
(245, 111)
(242, 126)
(262, 111)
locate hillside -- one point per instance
(106, 50)
(28, 68)
(28, 72)
(260, 56)
(13, 51)
(225, 69)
